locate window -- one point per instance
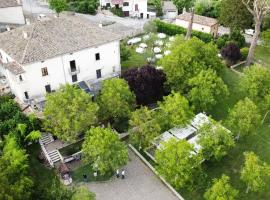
(136, 7)
(202, 28)
(97, 56)
(48, 88)
(125, 4)
(113, 68)
(72, 65)
(98, 72)
(74, 78)
(26, 95)
(44, 71)
(1, 57)
(20, 78)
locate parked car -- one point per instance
(249, 32)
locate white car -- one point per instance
(249, 32)
(134, 41)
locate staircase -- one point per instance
(46, 138)
(54, 156)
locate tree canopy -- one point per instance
(244, 117)
(115, 100)
(181, 4)
(58, 5)
(215, 140)
(103, 150)
(255, 172)
(177, 164)
(69, 112)
(207, 88)
(187, 59)
(221, 190)
(173, 111)
(146, 82)
(82, 193)
(143, 127)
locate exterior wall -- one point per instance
(170, 14)
(196, 27)
(59, 70)
(214, 30)
(12, 15)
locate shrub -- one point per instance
(244, 53)
(171, 29)
(221, 41)
(125, 52)
(238, 39)
(231, 53)
(117, 11)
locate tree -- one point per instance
(259, 10)
(177, 164)
(143, 127)
(69, 112)
(116, 101)
(215, 140)
(174, 111)
(58, 5)
(158, 7)
(187, 59)
(125, 52)
(189, 29)
(183, 4)
(244, 117)
(221, 190)
(15, 182)
(146, 82)
(82, 193)
(209, 8)
(206, 89)
(103, 149)
(255, 83)
(255, 172)
(86, 6)
(234, 14)
(231, 53)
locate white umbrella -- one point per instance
(158, 56)
(134, 40)
(146, 37)
(139, 50)
(167, 52)
(161, 35)
(157, 50)
(143, 45)
(159, 43)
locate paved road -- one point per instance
(140, 184)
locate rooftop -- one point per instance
(168, 5)
(9, 3)
(47, 39)
(198, 19)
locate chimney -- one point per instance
(25, 35)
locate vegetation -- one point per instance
(183, 4)
(82, 193)
(209, 8)
(147, 83)
(103, 150)
(221, 189)
(84, 6)
(58, 5)
(177, 164)
(231, 53)
(69, 112)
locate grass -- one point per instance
(71, 149)
(231, 164)
(262, 55)
(77, 174)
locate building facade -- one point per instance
(88, 54)
(200, 23)
(11, 12)
(169, 10)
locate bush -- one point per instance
(125, 52)
(171, 29)
(117, 11)
(244, 53)
(231, 53)
(221, 41)
(238, 39)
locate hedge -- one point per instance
(172, 29)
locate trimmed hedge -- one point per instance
(172, 29)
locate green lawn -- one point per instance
(135, 60)
(77, 174)
(232, 163)
(262, 54)
(71, 149)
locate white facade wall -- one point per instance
(170, 14)
(59, 70)
(195, 26)
(12, 15)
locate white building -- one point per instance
(38, 58)
(200, 23)
(132, 8)
(11, 12)
(169, 10)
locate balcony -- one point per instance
(74, 71)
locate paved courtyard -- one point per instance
(140, 184)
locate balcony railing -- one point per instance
(74, 71)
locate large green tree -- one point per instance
(82, 193)
(243, 118)
(233, 14)
(58, 5)
(103, 150)
(215, 140)
(181, 4)
(221, 190)
(15, 183)
(116, 101)
(207, 89)
(173, 111)
(177, 164)
(187, 59)
(69, 112)
(143, 127)
(255, 172)
(255, 83)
